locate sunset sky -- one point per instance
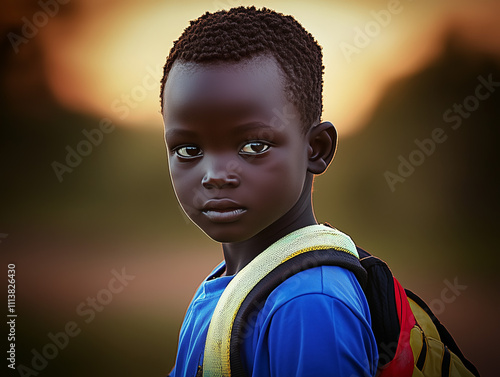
(106, 58)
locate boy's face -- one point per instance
(237, 153)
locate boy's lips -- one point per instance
(223, 210)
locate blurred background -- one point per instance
(86, 195)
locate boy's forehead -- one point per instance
(256, 81)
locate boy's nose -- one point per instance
(218, 178)
(219, 183)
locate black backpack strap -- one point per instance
(257, 297)
(379, 292)
(444, 334)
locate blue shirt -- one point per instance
(316, 323)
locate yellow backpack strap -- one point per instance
(216, 361)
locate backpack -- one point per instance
(410, 339)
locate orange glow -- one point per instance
(108, 60)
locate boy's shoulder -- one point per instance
(326, 283)
(318, 311)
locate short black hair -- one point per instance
(245, 32)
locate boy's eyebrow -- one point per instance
(173, 132)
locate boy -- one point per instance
(242, 101)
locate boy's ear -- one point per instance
(322, 147)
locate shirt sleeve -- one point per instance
(316, 335)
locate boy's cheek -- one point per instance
(177, 175)
(189, 197)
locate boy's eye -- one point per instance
(189, 151)
(255, 147)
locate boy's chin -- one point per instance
(225, 234)
(224, 237)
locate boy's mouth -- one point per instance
(223, 210)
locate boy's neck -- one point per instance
(238, 254)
